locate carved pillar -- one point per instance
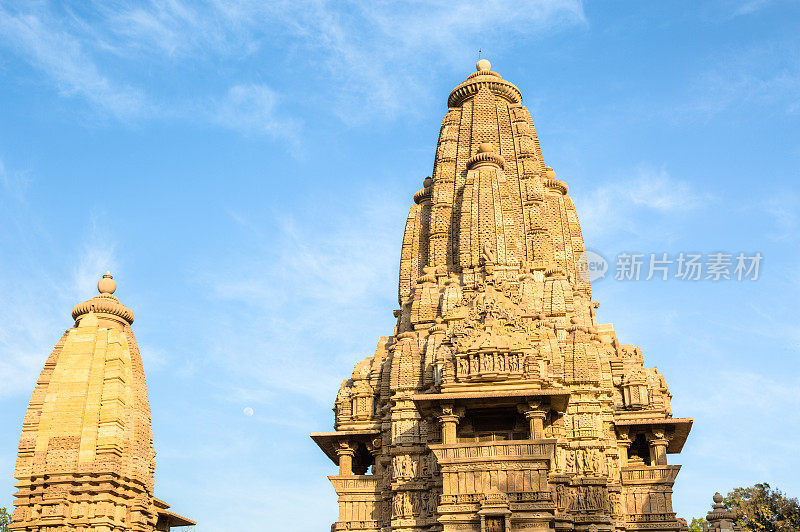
(449, 419)
(624, 443)
(658, 448)
(345, 451)
(535, 413)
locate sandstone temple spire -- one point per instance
(499, 403)
(86, 459)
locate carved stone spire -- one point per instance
(499, 392)
(86, 458)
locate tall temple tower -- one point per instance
(499, 403)
(86, 459)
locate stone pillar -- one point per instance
(449, 419)
(535, 413)
(345, 451)
(658, 448)
(624, 444)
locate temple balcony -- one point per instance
(518, 468)
(359, 502)
(476, 452)
(665, 519)
(641, 475)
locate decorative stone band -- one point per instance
(421, 195)
(516, 450)
(640, 475)
(484, 158)
(557, 185)
(491, 81)
(103, 304)
(668, 517)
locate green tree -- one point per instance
(697, 524)
(760, 508)
(5, 520)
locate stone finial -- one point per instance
(485, 147)
(107, 285)
(104, 303)
(482, 65)
(720, 518)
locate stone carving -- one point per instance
(498, 379)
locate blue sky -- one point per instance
(245, 169)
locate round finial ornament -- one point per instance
(107, 285)
(717, 498)
(482, 65)
(485, 147)
(550, 173)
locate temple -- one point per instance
(86, 459)
(499, 403)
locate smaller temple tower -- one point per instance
(86, 459)
(720, 518)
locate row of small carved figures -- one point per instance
(490, 362)
(568, 498)
(582, 498)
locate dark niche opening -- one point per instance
(639, 452)
(492, 424)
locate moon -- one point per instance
(248, 411)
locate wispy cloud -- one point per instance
(748, 7)
(310, 285)
(61, 56)
(613, 206)
(766, 76)
(35, 303)
(253, 110)
(783, 211)
(375, 57)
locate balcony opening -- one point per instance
(639, 452)
(492, 424)
(362, 460)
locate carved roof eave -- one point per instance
(428, 402)
(327, 441)
(680, 427)
(171, 518)
(493, 82)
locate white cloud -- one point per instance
(253, 109)
(766, 76)
(748, 7)
(36, 302)
(783, 209)
(61, 55)
(376, 58)
(616, 205)
(310, 283)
